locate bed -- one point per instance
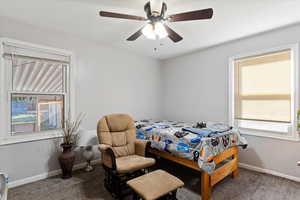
(211, 148)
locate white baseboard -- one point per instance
(45, 175)
(268, 171)
(82, 165)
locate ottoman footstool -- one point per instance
(155, 185)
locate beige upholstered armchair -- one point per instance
(123, 156)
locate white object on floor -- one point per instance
(3, 186)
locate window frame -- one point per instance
(5, 94)
(292, 128)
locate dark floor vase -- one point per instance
(66, 160)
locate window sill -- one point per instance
(30, 137)
(273, 135)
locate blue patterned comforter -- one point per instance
(187, 140)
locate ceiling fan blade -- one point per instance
(135, 36)
(175, 37)
(122, 16)
(193, 15)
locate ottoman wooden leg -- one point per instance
(173, 195)
(205, 186)
(135, 196)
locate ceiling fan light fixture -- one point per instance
(154, 31)
(148, 31)
(160, 30)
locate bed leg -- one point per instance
(205, 186)
(236, 172)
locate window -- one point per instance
(37, 88)
(34, 113)
(263, 92)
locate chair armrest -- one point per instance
(103, 147)
(108, 156)
(141, 147)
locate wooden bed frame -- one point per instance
(208, 181)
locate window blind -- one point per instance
(263, 87)
(32, 75)
(36, 71)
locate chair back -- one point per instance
(117, 131)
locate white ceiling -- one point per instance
(232, 19)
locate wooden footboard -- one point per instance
(208, 181)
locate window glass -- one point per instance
(263, 87)
(32, 113)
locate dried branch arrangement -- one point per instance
(70, 130)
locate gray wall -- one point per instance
(108, 80)
(196, 88)
(191, 88)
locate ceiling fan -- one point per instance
(156, 27)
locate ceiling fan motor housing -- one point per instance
(155, 16)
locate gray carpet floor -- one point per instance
(89, 186)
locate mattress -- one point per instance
(187, 140)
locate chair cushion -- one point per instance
(124, 150)
(117, 131)
(132, 163)
(119, 122)
(149, 186)
(118, 139)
